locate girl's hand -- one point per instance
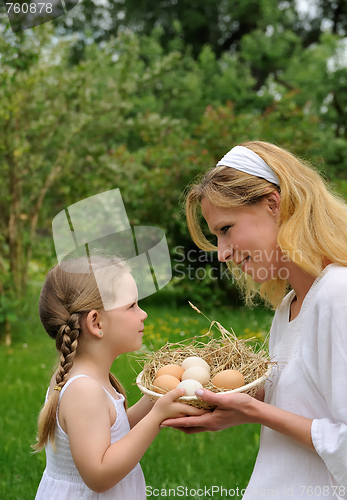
(231, 410)
(167, 407)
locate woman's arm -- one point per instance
(85, 412)
(236, 409)
(139, 410)
(260, 395)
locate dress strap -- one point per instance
(69, 382)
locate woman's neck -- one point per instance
(301, 281)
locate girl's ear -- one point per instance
(93, 323)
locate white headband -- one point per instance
(244, 159)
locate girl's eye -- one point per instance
(132, 305)
(225, 229)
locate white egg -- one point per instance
(197, 373)
(190, 386)
(195, 361)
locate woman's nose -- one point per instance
(225, 252)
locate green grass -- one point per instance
(223, 459)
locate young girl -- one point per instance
(277, 221)
(93, 444)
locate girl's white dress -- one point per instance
(61, 479)
(310, 379)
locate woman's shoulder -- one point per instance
(330, 296)
(332, 281)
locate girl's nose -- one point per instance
(143, 315)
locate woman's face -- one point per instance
(248, 236)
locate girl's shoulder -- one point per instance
(84, 396)
(78, 383)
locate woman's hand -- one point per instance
(235, 409)
(231, 410)
(167, 407)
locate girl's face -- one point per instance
(248, 236)
(123, 325)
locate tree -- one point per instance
(56, 120)
(134, 116)
(59, 125)
(222, 25)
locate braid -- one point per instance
(67, 341)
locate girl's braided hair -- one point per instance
(69, 293)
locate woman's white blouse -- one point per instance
(310, 379)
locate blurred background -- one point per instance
(146, 96)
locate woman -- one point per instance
(275, 218)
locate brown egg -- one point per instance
(228, 379)
(174, 370)
(165, 382)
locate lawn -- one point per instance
(223, 459)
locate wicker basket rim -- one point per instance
(244, 388)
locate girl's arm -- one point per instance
(139, 410)
(236, 409)
(85, 411)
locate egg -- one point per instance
(195, 361)
(228, 379)
(190, 386)
(197, 373)
(165, 382)
(174, 370)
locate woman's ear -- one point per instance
(93, 323)
(274, 202)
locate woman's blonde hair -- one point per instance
(69, 293)
(312, 224)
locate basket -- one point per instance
(223, 353)
(250, 389)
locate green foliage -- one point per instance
(8, 309)
(134, 116)
(221, 25)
